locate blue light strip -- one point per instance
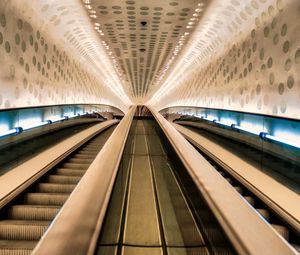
(280, 140)
(234, 126)
(57, 119)
(222, 123)
(37, 125)
(13, 131)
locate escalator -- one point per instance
(25, 219)
(155, 208)
(16, 154)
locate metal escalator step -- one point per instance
(55, 188)
(250, 200)
(229, 180)
(32, 212)
(80, 161)
(69, 172)
(283, 231)
(45, 198)
(93, 152)
(22, 230)
(61, 179)
(89, 150)
(86, 153)
(16, 247)
(80, 156)
(222, 173)
(264, 213)
(76, 166)
(238, 189)
(91, 146)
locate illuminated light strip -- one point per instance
(82, 114)
(234, 126)
(69, 116)
(37, 125)
(19, 130)
(57, 119)
(222, 123)
(262, 135)
(267, 136)
(13, 131)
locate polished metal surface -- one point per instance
(141, 221)
(26, 218)
(69, 233)
(155, 216)
(239, 220)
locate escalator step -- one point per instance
(238, 189)
(91, 146)
(250, 200)
(283, 231)
(22, 230)
(69, 172)
(55, 188)
(264, 213)
(222, 173)
(16, 247)
(80, 156)
(86, 153)
(80, 161)
(61, 179)
(32, 212)
(45, 198)
(89, 150)
(229, 180)
(76, 166)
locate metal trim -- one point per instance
(238, 219)
(76, 228)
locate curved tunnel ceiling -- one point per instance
(237, 54)
(144, 38)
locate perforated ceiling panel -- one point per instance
(144, 38)
(244, 55)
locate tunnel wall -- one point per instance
(45, 59)
(249, 60)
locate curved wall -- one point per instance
(48, 56)
(245, 56)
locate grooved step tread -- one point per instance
(250, 200)
(55, 188)
(90, 149)
(283, 231)
(69, 172)
(86, 153)
(33, 212)
(61, 179)
(25, 222)
(79, 156)
(45, 198)
(17, 244)
(22, 230)
(76, 166)
(80, 160)
(264, 213)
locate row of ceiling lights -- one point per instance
(97, 27)
(181, 42)
(192, 22)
